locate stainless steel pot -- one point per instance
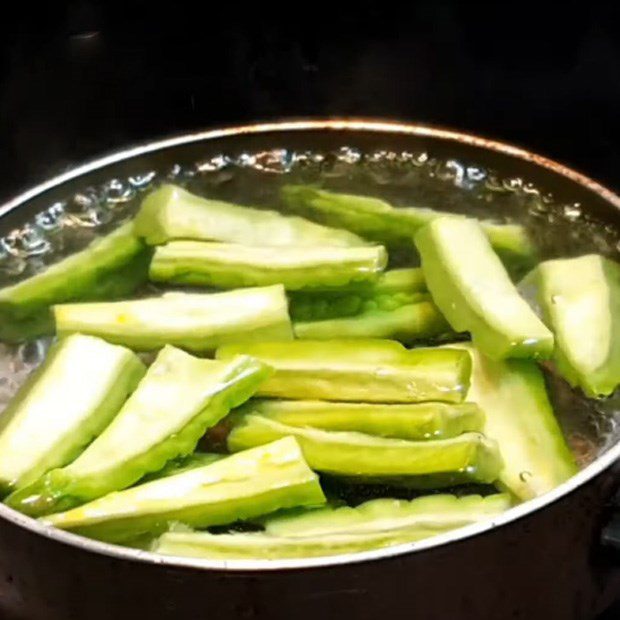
(543, 559)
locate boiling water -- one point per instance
(402, 178)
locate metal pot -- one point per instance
(542, 559)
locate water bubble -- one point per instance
(33, 242)
(530, 188)
(475, 174)
(84, 200)
(513, 184)
(10, 243)
(213, 164)
(174, 172)
(349, 155)
(572, 212)
(277, 161)
(117, 191)
(142, 181)
(246, 160)
(51, 219)
(494, 183)
(420, 159)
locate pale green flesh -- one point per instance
(408, 323)
(580, 299)
(110, 267)
(391, 289)
(519, 416)
(466, 458)
(411, 421)
(363, 370)
(171, 213)
(197, 322)
(264, 547)
(307, 307)
(66, 403)
(378, 220)
(178, 399)
(242, 486)
(476, 294)
(183, 464)
(406, 279)
(228, 266)
(440, 512)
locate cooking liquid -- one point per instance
(402, 178)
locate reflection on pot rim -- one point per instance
(603, 462)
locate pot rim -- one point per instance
(602, 463)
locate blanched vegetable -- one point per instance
(193, 321)
(391, 290)
(433, 513)
(359, 370)
(411, 421)
(309, 307)
(476, 295)
(179, 398)
(408, 323)
(242, 486)
(260, 546)
(226, 265)
(171, 212)
(580, 299)
(519, 416)
(109, 268)
(376, 219)
(467, 458)
(183, 464)
(66, 403)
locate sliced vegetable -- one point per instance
(476, 294)
(110, 267)
(376, 219)
(580, 299)
(197, 322)
(242, 486)
(359, 370)
(183, 464)
(171, 212)
(310, 307)
(410, 421)
(519, 416)
(418, 321)
(435, 513)
(392, 289)
(403, 280)
(63, 406)
(467, 458)
(179, 398)
(260, 546)
(226, 265)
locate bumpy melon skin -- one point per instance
(179, 398)
(376, 219)
(242, 486)
(226, 265)
(470, 457)
(171, 212)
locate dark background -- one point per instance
(80, 78)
